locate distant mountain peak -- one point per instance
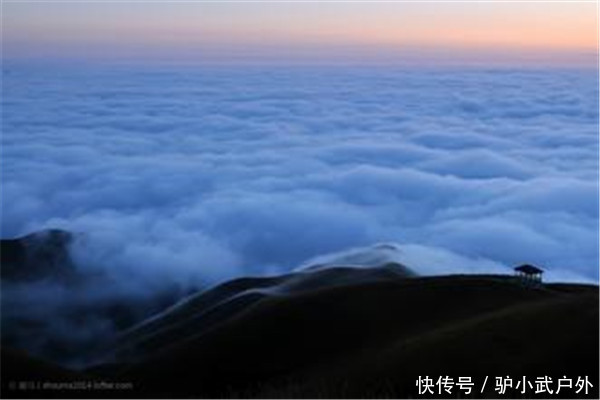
(38, 255)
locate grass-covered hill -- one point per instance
(361, 339)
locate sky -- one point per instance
(518, 33)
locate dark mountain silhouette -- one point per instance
(361, 340)
(60, 311)
(374, 339)
(39, 255)
(203, 311)
(337, 331)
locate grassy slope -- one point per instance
(372, 340)
(205, 310)
(380, 336)
(554, 337)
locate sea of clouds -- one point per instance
(196, 175)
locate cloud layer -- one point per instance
(198, 175)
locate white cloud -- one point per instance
(204, 174)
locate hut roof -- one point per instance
(528, 269)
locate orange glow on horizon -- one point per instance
(178, 28)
